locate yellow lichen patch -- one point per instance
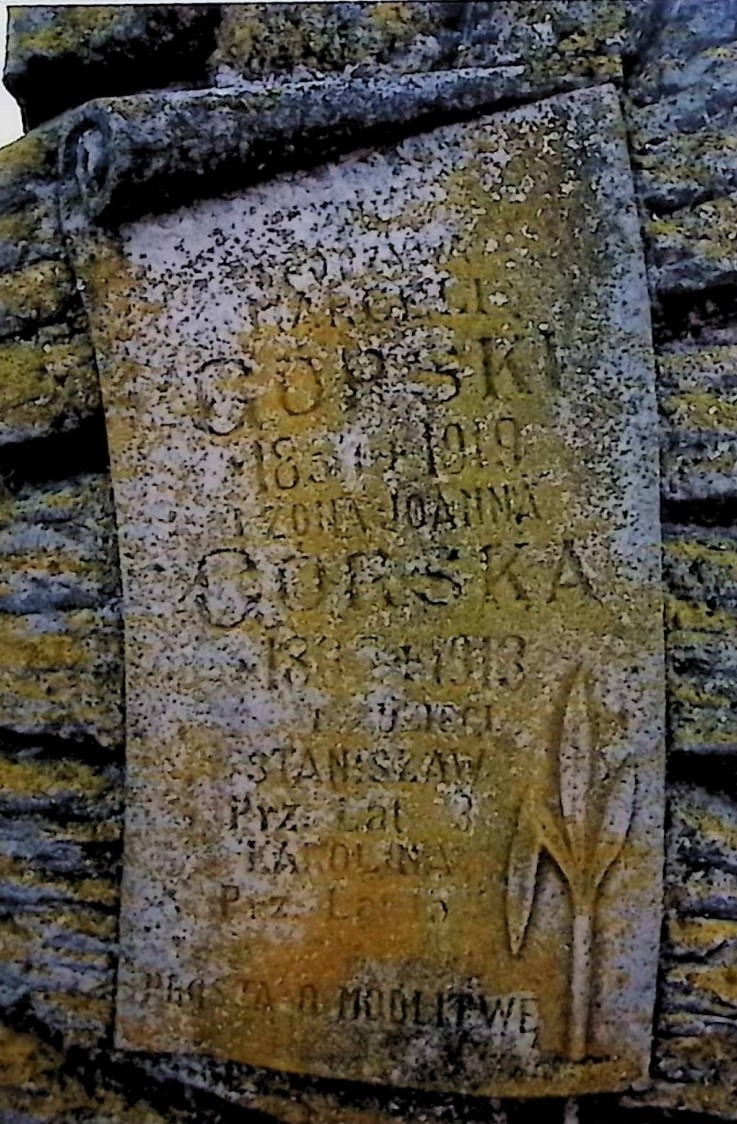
(40, 380)
(701, 410)
(709, 826)
(65, 678)
(111, 279)
(96, 832)
(699, 697)
(717, 554)
(320, 36)
(26, 156)
(37, 292)
(72, 31)
(690, 616)
(601, 24)
(88, 1019)
(708, 1055)
(92, 891)
(664, 228)
(23, 648)
(400, 21)
(312, 1107)
(691, 370)
(24, 1062)
(718, 981)
(380, 535)
(689, 157)
(702, 936)
(14, 944)
(48, 779)
(35, 1080)
(102, 926)
(708, 230)
(705, 731)
(23, 226)
(48, 563)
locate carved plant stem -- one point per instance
(583, 836)
(581, 974)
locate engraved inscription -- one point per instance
(385, 464)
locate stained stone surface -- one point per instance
(62, 793)
(384, 454)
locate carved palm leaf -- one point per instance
(617, 810)
(575, 758)
(554, 840)
(524, 856)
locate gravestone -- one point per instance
(383, 448)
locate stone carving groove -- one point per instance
(583, 836)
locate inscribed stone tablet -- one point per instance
(384, 453)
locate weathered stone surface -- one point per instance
(695, 248)
(60, 632)
(558, 39)
(697, 393)
(60, 836)
(698, 1016)
(259, 625)
(132, 156)
(29, 228)
(38, 1088)
(683, 41)
(57, 548)
(701, 686)
(59, 57)
(700, 570)
(48, 383)
(679, 167)
(33, 296)
(688, 106)
(320, 38)
(688, 168)
(55, 673)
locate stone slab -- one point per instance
(384, 451)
